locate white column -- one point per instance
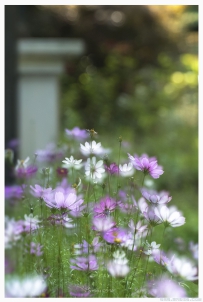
(41, 61)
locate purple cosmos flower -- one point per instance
(103, 224)
(23, 170)
(85, 247)
(51, 153)
(35, 249)
(169, 216)
(146, 165)
(116, 235)
(30, 224)
(13, 192)
(155, 198)
(112, 169)
(104, 207)
(77, 133)
(79, 291)
(39, 191)
(164, 287)
(161, 258)
(84, 263)
(59, 200)
(150, 215)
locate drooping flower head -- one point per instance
(126, 170)
(39, 191)
(183, 267)
(146, 164)
(103, 224)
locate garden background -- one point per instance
(138, 79)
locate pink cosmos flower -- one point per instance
(59, 200)
(103, 224)
(146, 164)
(116, 235)
(156, 198)
(84, 263)
(104, 207)
(39, 191)
(112, 169)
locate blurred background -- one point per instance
(124, 70)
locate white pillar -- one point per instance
(40, 63)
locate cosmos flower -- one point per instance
(91, 148)
(118, 267)
(85, 247)
(51, 153)
(84, 263)
(104, 207)
(93, 169)
(169, 216)
(139, 228)
(146, 165)
(165, 287)
(13, 192)
(150, 215)
(156, 198)
(12, 234)
(103, 224)
(23, 170)
(115, 235)
(72, 163)
(35, 249)
(30, 286)
(112, 168)
(151, 247)
(59, 200)
(77, 133)
(39, 191)
(184, 268)
(126, 170)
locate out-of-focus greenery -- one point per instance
(152, 104)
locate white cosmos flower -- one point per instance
(72, 163)
(184, 268)
(94, 169)
(118, 269)
(91, 148)
(151, 247)
(22, 163)
(126, 170)
(169, 216)
(30, 286)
